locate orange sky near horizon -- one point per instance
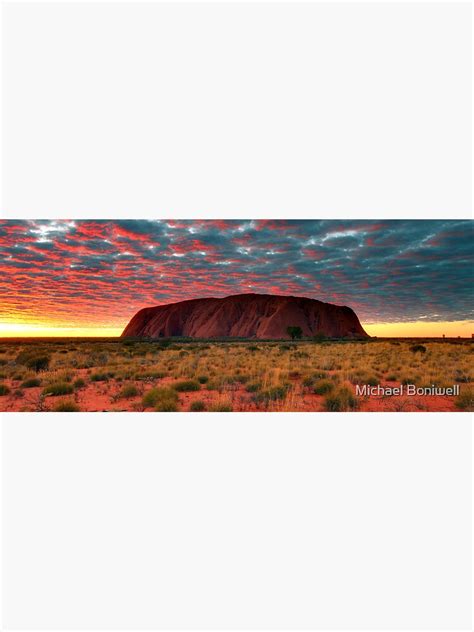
(421, 329)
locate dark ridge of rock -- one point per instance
(245, 316)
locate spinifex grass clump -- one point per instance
(321, 387)
(127, 392)
(465, 400)
(150, 374)
(31, 382)
(271, 394)
(58, 388)
(161, 399)
(4, 390)
(363, 377)
(187, 385)
(197, 406)
(67, 406)
(221, 407)
(100, 377)
(34, 360)
(341, 399)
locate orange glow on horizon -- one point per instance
(451, 329)
(421, 329)
(25, 330)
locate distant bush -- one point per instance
(342, 399)
(186, 385)
(294, 332)
(34, 361)
(197, 406)
(79, 383)
(128, 391)
(160, 397)
(58, 388)
(4, 390)
(203, 379)
(31, 383)
(66, 407)
(418, 349)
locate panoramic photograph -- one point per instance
(236, 315)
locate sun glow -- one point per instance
(420, 329)
(26, 330)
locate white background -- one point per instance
(263, 521)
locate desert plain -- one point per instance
(193, 375)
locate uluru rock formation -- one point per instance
(245, 316)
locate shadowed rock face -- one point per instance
(245, 316)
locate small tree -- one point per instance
(294, 332)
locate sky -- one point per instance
(89, 277)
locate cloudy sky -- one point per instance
(94, 275)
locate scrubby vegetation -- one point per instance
(169, 375)
(67, 406)
(4, 390)
(58, 388)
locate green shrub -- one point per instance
(294, 332)
(58, 388)
(197, 406)
(99, 377)
(166, 407)
(323, 386)
(67, 406)
(4, 390)
(253, 387)
(160, 397)
(31, 383)
(341, 399)
(221, 408)
(272, 394)
(203, 379)
(128, 391)
(363, 377)
(79, 383)
(186, 385)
